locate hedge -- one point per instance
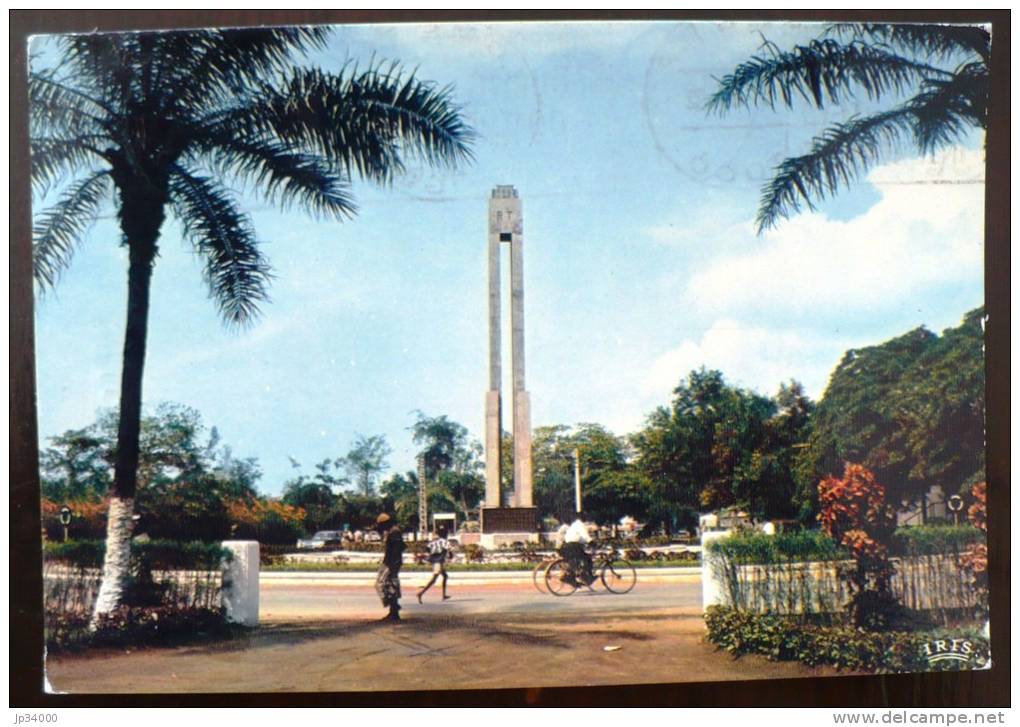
(165, 575)
(769, 573)
(781, 638)
(156, 554)
(755, 548)
(935, 539)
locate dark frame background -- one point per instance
(936, 689)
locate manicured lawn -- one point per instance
(305, 566)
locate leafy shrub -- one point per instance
(855, 514)
(935, 539)
(132, 625)
(162, 573)
(635, 554)
(474, 553)
(270, 554)
(757, 548)
(155, 554)
(781, 638)
(270, 522)
(975, 560)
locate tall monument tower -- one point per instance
(506, 225)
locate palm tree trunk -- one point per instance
(120, 518)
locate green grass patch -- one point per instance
(311, 567)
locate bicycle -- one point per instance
(538, 573)
(616, 574)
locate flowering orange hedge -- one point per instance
(855, 514)
(975, 558)
(268, 521)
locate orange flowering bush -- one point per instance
(855, 514)
(268, 521)
(975, 558)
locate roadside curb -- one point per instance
(367, 578)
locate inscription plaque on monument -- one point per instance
(509, 519)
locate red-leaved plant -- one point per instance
(975, 558)
(855, 514)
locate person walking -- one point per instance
(439, 553)
(387, 581)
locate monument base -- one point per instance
(502, 526)
(509, 519)
(495, 541)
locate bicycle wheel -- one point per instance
(559, 579)
(538, 576)
(618, 576)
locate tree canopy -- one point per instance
(910, 409)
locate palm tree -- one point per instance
(163, 123)
(945, 67)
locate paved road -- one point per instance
(289, 600)
(326, 637)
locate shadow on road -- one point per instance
(481, 627)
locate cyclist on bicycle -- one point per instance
(574, 550)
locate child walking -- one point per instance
(439, 553)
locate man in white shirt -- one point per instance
(574, 552)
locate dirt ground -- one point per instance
(426, 651)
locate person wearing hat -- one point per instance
(387, 581)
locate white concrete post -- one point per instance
(713, 578)
(241, 582)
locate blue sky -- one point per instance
(641, 261)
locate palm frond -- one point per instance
(55, 157)
(215, 65)
(945, 109)
(821, 70)
(55, 107)
(937, 42)
(59, 230)
(106, 64)
(235, 270)
(838, 156)
(362, 122)
(278, 174)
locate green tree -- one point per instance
(721, 446)
(76, 466)
(157, 120)
(944, 67)
(552, 455)
(940, 408)
(911, 410)
(453, 462)
(400, 496)
(610, 486)
(365, 461)
(316, 498)
(186, 478)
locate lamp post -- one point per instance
(955, 504)
(577, 480)
(65, 519)
(423, 500)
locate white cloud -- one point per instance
(754, 357)
(926, 230)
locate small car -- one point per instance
(321, 540)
